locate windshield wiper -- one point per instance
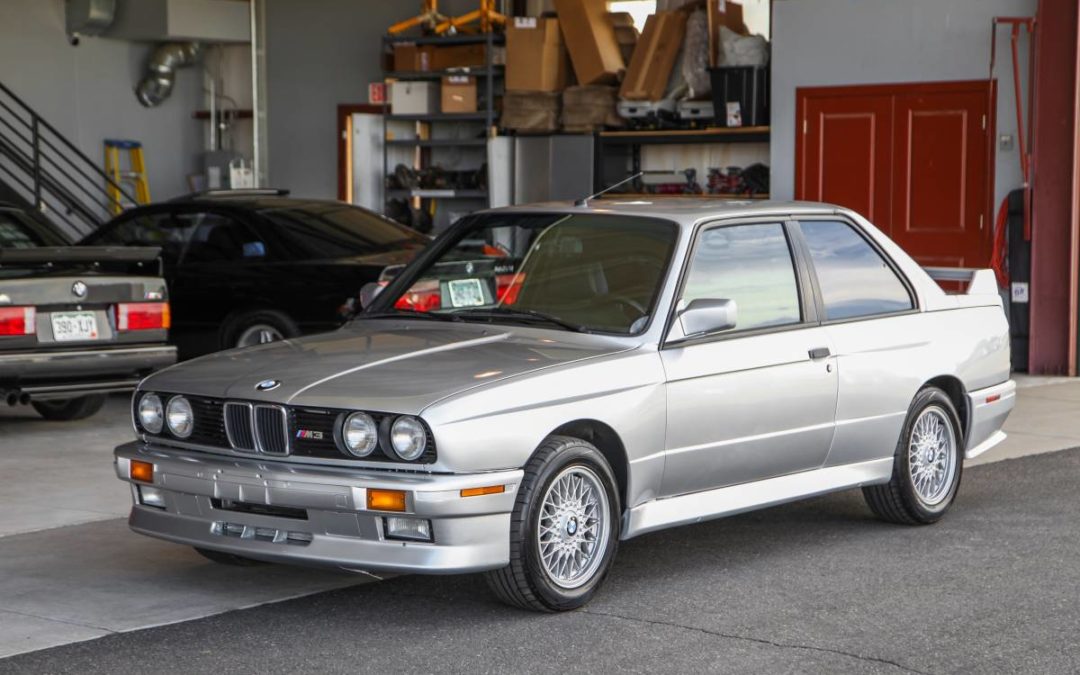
(523, 314)
(406, 314)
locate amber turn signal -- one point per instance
(487, 490)
(386, 500)
(141, 471)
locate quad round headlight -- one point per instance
(151, 413)
(408, 438)
(359, 434)
(179, 417)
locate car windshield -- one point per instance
(585, 272)
(338, 230)
(17, 231)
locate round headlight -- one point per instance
(360, 434)
(408, 438)
(179, 417)
(151, 413)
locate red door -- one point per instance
(913, 158)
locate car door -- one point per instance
(757, 400)
(222, 270)
(868, 310)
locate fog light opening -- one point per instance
(407, 529)
(151, 496)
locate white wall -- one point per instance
(86, 92)
(837, 42)
(321, 53)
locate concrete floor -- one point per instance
(70, 570)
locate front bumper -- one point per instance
(313, 515)
(86, 371)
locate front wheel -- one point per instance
(927, 466)
(564, 530)
(69, 409)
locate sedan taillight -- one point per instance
(17, 320)
(142, 316)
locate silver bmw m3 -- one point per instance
(545, 381)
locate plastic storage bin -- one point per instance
(741, 95)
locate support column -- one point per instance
(1054, 217)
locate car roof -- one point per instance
(683, 210)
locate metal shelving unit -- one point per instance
(616, 149)
(426, 141)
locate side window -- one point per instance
(855, 280)
(752, 265)
(218, 238)
(154, 229)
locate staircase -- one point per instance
(44, 172)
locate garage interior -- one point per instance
(952, 125)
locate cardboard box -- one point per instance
(723, 13)
(409, 57)
(626, 33)
(531, 111)
(458, 56)
(535, 55)
(412, 98)
(654, 57)
(590, 39)
(589, 108)
(458, 94)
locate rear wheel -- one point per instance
(927, 466)
(259, 327)
(228, 558)
(68, 409)
(564, 530)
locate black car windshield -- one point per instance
(587, 272)
(338, 230)
(17, 231)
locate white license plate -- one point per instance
(466, 292)
(72, 326)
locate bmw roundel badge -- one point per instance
(268, 385)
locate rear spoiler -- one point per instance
(979, 282)
(78, 254)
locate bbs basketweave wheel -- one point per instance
(927, 466)
(564, 530)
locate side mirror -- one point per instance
(703, 316)
(368, 292)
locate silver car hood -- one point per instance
(380, 365)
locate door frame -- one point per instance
(344, 144)
(803, 96)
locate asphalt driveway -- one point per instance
(813, 587)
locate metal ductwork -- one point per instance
(157, 84)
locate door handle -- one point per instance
(819, 352)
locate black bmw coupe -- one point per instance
(246, 267)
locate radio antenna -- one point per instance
(584, 201)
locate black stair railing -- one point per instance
(50, 173)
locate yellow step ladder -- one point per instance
(135, 174)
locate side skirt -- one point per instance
(660, 514)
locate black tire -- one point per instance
(230, 559)
(69, 409)
(236, 327)
(898, 501)
(523, 583)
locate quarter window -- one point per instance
(752, 265)
(153, 229)
(855, 280)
